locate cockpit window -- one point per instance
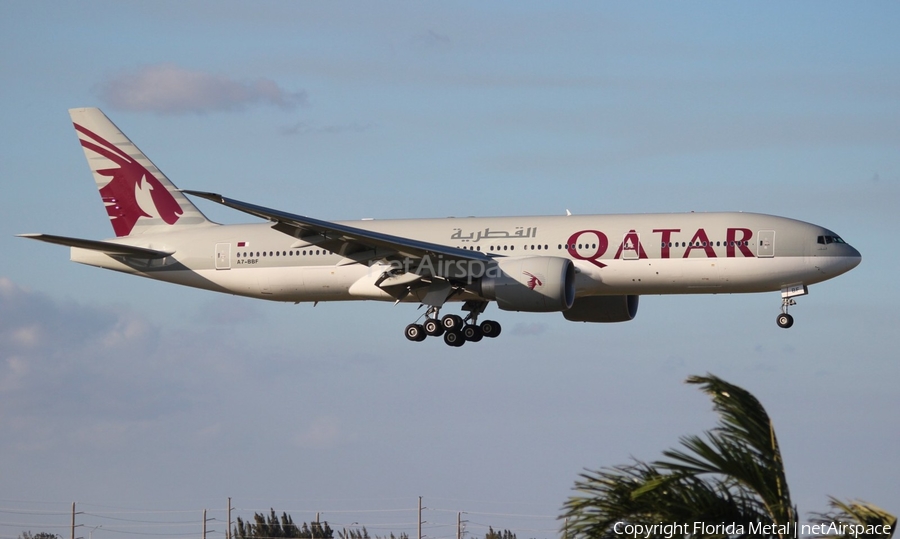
(825, 240)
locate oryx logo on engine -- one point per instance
(533, 280)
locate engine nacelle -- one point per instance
(603, 309)
(537, 284)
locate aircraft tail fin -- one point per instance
(138, 197)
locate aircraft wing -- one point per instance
(110, 248)
(355, 243)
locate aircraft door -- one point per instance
(765, 247)
(631, 246)
(223, 256)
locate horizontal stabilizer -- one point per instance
(114, 249)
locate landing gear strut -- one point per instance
(788, 293)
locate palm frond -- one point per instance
(640, 493)
(873, 521)
(743, 447)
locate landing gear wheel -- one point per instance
(433, 327)
(472, 333)
(454, 338)
(415, 332)
(785, 320)
(452, 322)
(489, 328)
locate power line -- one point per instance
(433, 523)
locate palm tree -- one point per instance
(734, 474)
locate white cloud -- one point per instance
(432, 40)
(170, 89)
(323, 432)
(72, 373)
(304, 128)
(529, 329)
(60, 360)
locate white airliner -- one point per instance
(591, 268)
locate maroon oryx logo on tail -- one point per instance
(533, 280)
(129, 181)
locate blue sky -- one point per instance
(125, 394)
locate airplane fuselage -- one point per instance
(679, 253)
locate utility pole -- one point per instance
(228, 531)
(204, 524)
(458, 525)
(73, 520)
(420, 520)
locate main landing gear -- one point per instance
(788, 293)
(455, 329)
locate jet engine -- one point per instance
(603, 309)
(534, 284)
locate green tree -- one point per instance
(272, 527)
(359, 533)
(505, 534)
(733, 474)
(40, 535)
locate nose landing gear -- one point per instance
(788, 293)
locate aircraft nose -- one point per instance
(854, 256)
